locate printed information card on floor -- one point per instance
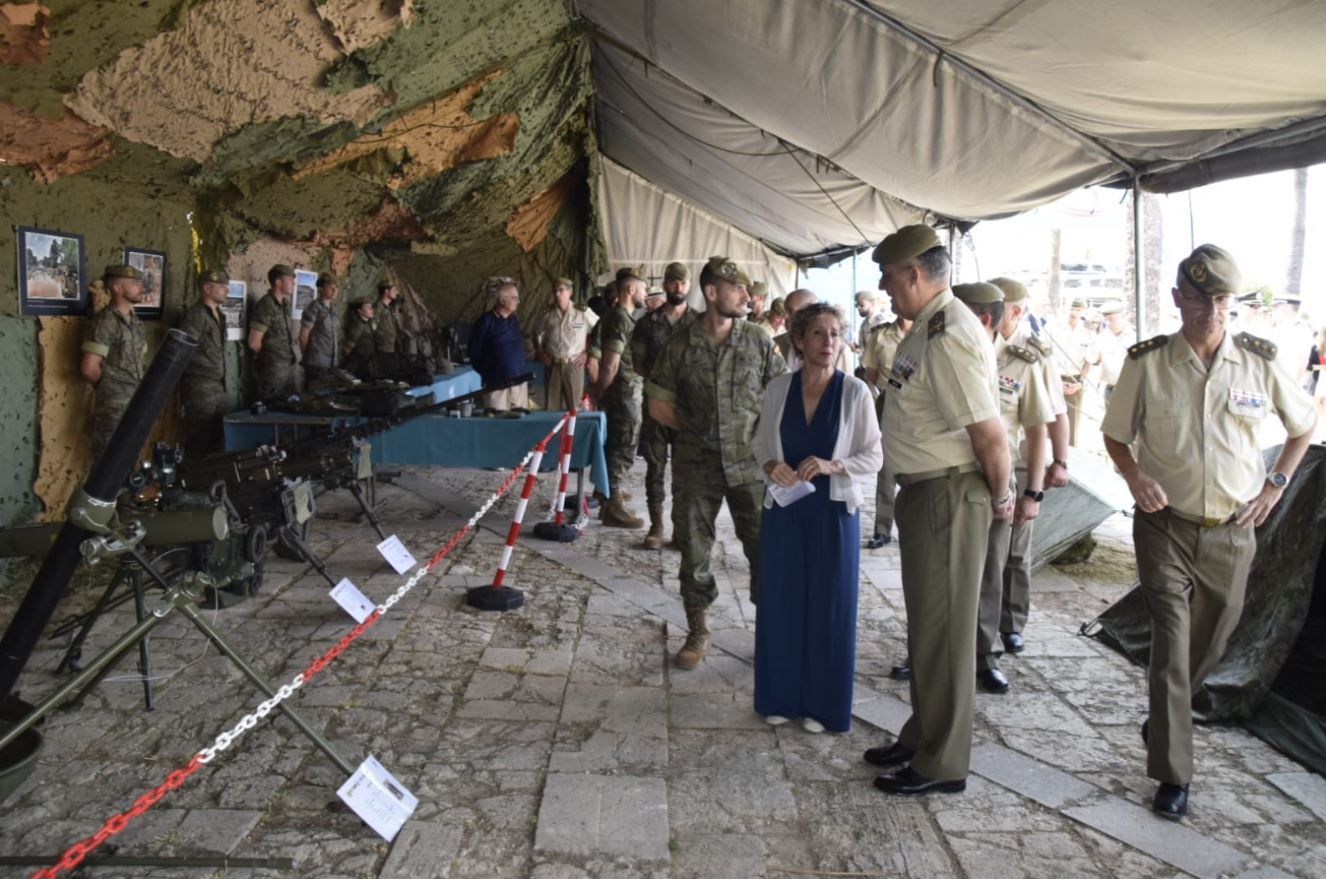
(351, 600)
(396, 554)
(378, 798)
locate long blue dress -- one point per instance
(805, 626)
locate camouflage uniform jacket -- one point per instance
(272, 319)
(206, 372)
(121, 342)
(717, 391)
(651, 336)
(324, 339)
(361, 337)
(615, 338)
(387, 327)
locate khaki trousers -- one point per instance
(943, 524)
(565, 386)
(1017, 577)
(514, 397)
(1193, 581)
(885, 485)
(988, 645)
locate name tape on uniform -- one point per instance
(378, 798)
(396, 554)
(351, 600)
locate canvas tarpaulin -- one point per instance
(1261, 679)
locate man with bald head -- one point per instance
(795, 300)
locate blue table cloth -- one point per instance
(464, 380)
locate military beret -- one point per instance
(121, 271)
(1111, 308)
(563, 282)
(727, 270)
(326, 278)
(979, 293)
(676, 272)
(1078, 303)
(385, 285)
(281, 269)
(632, 273)
(213, 277)
(759, 288)
(778, 307)
(1013, 290)
(866, 295)
(1211, 271)
(907, 243)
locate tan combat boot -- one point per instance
(697, 640)
(617, 515)
(654, 539)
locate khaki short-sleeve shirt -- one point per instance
(1025, 337)
(881, 350)
(564, 334)
(942, 380)
(1024, 400)
(1196, 427)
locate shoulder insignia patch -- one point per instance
(1155, 343)
(1257, 345)
(1040, 344)
(1026, 354)
(936, 326)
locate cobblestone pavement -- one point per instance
(556, 742)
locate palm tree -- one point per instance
(1298, 236)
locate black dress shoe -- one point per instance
(877, 540)
(1013, 642)
(992, 680)
(1171, 800)
(902, 672)
(909, 781)
(889, 755)
(1146, 724)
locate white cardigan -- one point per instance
(858, 445)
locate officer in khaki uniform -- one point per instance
(1025, 408)
(944, 440)
(204, 388)
(272, 337)
(1192, 403)
(561, 340)
(880, 350)
(651, 335)
(113, 348)
(618, 387)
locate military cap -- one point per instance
(676, 272)
(907, 243)
(1013, 290)
(280, 269)
(1288, 299)
(979, 293)
(326, 278)
(213, 277)
(654, 291)
(1078, 302)
(1211, 271)
(1110, 308)
(385, 285)
(759, 288)
(866, 295)
(356, 304)
(727, 270)
(563, 282)
(121, 271)
(632, 273)
(1252, 300)
(778, 307)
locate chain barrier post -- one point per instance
(557, 529)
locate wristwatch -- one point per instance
(1279, 480)
(1037, 496)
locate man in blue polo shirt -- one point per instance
(497, 347)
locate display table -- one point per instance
(464, 380)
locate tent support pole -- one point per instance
(1139, 305)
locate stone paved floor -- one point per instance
(556, 742)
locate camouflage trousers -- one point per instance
(106, 416)
(204, 409)
(655, 440)
(621, 404)
(698, 491)
(275, 381)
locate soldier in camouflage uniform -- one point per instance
(387, 327)
(617, 391)
(204, 389)
(320, 332)
(647, 342)
(272, 337)
(361, 330)
(113, 349)
(707, 385)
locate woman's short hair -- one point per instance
(808, 314)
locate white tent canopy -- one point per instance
(820, 124)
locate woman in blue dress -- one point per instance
(817, 426)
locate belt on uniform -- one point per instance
(1199, 521)
(561, 361)
(906, 479)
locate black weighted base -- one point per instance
(488, 598)
(553, 531)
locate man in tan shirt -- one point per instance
(880, 350)
(561, 343)
(944, 440)
(1191, 403)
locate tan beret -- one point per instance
(778, 307)
(1211, 271)
(866, 296)
(121, 271)
(1013, 290)
(676, 272)
(727, 270)
(907, 243)
(759, 288)
(213, 277)
(979, 293)
(563, 282)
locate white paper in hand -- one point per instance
(785, 495)
(396, 554)
(351, 600)
(378, 798)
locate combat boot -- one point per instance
(617, 515)
(654, 539)
(697, 640)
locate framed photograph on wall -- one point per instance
(236, 304)
(51, 273)
(152, 263)
(306, 290)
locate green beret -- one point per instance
(676, 272)
(907, 243)
(326, 278)
(1109, 308)
(632, 273)
(759, 288)
(979, 293)
(1078, 303)
(1211, 270)
(727, 270)
(279, 270)
(213, 277)
(1013, 291)
(121, 271)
